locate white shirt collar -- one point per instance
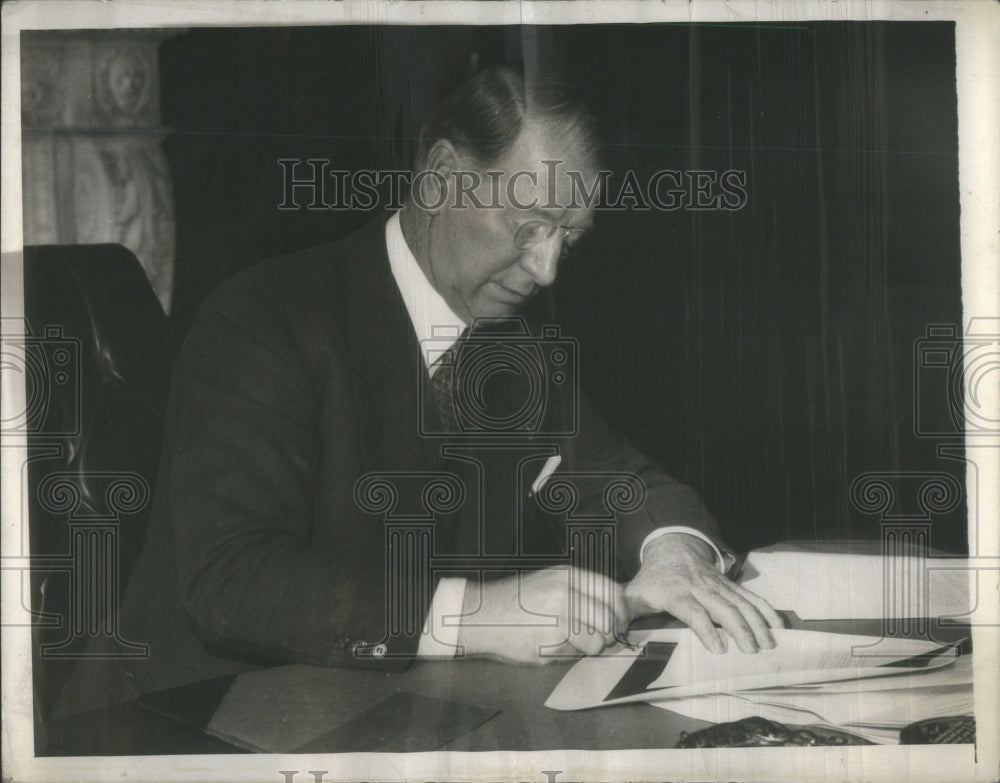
(435, 323)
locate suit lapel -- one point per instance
(384, 357)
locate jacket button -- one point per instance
(379, 651)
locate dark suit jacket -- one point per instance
(299, 376)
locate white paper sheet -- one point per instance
(959, 673)
(832, 586)
(800, 657)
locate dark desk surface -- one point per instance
(331, 710)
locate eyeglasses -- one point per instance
(534, 232)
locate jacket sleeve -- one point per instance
(599, 449)
(242, 459)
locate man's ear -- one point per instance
(431, 192)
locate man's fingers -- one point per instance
(623, 617)
(591, 615)
(598, 602)
(758, 625)
(698, 619)
(771, 617)
(592, 622)
(589, 642)
(730, 618)
(595, 584)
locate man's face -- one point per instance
(476, 262)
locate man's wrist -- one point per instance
(675, 539)
(723, 561)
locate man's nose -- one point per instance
(542, 260)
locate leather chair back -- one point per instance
(97, 374)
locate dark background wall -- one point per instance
(766, 355)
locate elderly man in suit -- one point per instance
(307, 386)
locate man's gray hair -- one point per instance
(484, 116)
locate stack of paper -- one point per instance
(866, 685)
(874, 585)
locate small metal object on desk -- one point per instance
(620, 637)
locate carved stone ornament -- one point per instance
(124, 86)
(93, 166)
(42, 87)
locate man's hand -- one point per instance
(679, 576)
(539, 616)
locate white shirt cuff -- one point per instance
(440, 634)
(720, 560)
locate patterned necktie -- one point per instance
(443, 384)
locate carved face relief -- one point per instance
(127, 79)
(41, 86)
(123, 80)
